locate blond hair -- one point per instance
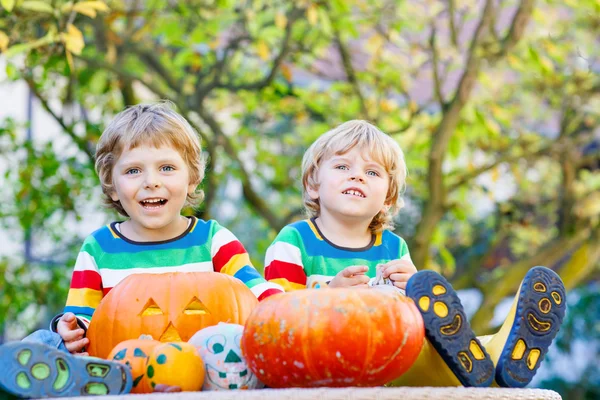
(381, 147)
(151, 124)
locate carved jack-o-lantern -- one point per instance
(134, 353)
(170, 307)
(225, 366)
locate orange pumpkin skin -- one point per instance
(135, 353)
(176, 364)
(332, 337)
(169, 307)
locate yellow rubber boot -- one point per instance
(428, 370)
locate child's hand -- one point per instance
(71, 333)
(399, 271)
(161, 388)
(351, 276)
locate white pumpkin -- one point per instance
(226, 368)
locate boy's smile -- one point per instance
(352, 186)
(152, 185)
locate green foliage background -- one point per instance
(494, 102)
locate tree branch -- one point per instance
(81, 143)
(435, 206)
(516, 30)
(499, 287)
(437, 85)
(149, 57)
(349, 70)
(99, 64)
(453, 31)
(250, 194)
(219, 68)
(293, 16)
(506, 158)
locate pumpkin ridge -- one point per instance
(370, 347)
(237, 305)
(114, 327)
(395, 354)
(305, 335)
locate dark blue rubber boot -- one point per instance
(29, 369)
(532, 324)
(448, 330)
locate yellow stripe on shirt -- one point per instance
(287, 285)
(378, 239)
(236, 263)
(84, 297)
(314, 229)
(113, 232)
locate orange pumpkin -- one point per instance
(135, 353)
(176, 364)
(170, 307)
(332, 337)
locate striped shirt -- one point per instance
(107, 257)
(301, 257)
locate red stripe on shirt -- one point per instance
(267, 293)
(106, 290)
(225, 253)
(281, 269)
(86, 279)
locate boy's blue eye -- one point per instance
(168, 168)
(341, 167)
(132, 171)
(373, 173)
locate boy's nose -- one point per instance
(357, 177)
(151, 182)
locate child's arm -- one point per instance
(283, 261)
(84, 296)
(230, 257)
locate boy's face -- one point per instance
(152, 185)
(351, 186)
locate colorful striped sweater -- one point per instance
(107, 257)
(302, 257)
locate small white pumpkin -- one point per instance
(225, 365)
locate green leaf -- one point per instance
(39, 6)
(449, 263)
(12, 72)
(7, 4)
(454, 146)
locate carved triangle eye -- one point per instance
(195, 307)
(151, 308)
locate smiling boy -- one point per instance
(150, 164)
(352, 179)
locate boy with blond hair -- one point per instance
(353, 177)
(150, 164)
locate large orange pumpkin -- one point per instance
(332, 337)
(170, 307)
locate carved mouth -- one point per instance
(229, 380)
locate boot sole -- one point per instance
(448, 330)
(37, 370)
(539, 314)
